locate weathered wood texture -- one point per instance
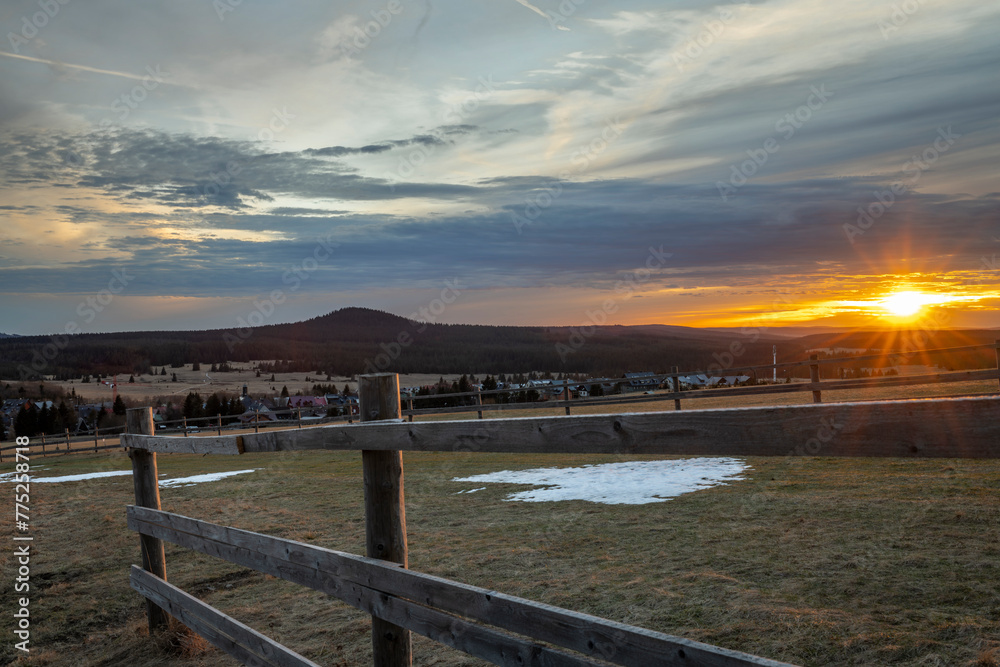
(222, 631)
(998, 356)
(938, 428)
(385, 512)
(676, 384)
(139, 421)
(433, 606)
(814, 378)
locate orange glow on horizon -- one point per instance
(893, 303)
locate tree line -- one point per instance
(358, 340)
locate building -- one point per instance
(644, 381)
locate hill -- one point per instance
(356, 340)
(901, 346)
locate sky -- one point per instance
(197, 164)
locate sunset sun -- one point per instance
(906, 304)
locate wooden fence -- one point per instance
(43, 445)
(51, 445)
(815, 384)
(498, 628)
(46, 445)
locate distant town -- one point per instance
(40, 408)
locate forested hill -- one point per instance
(908, 344)
(356, 340)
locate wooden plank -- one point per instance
(997, 350)
(224, 444)
(482, 642)
(147, 494)
(937, 428)
(222, 631)
(385, 511)
(337, 573)
(814, 378)
(675, 378)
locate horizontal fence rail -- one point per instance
(53, 445)
(222, 631)
(444, 610)
(61, 449)
(942, 428)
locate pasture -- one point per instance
(809, 560)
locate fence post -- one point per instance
(998, 356)
(385, 513)
(185, 426)
(43, 444)
(479, 402)
(677, 385)
(300, 417)
(219, 422)
(566, 395)
(256, 421)
(814, 377)
(139, 421)
(67, 441)
(96, 430)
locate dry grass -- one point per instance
(205, 383)
(812, 561)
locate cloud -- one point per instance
(418, 155)
(421, 140)
(202, 172)
(525, 3)
(590, 236)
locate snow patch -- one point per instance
(624, 483)
(198, 479)
(10, 476)
(164, 483)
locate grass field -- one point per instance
(809, 560)
(205, 382)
